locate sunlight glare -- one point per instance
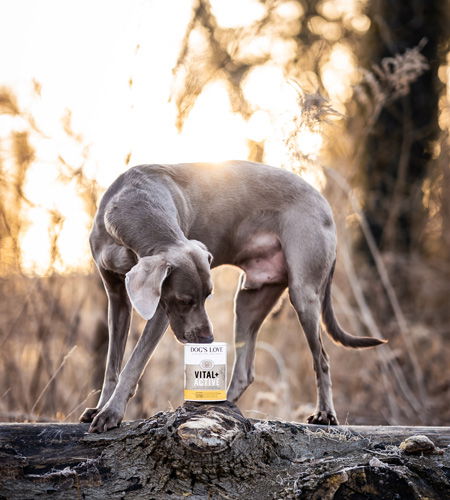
(73, 243)
(118, 88)
(47, 193)
(212, 131)
(326, 29)
(309, 143)
(360, 23)
(35, 244)
(289, 10)
(236, 13)
(334, 9)
(259, 126)
(339, 72)
(265, 87)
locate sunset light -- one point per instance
(288, 160)
(127, 117)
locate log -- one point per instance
(203, 450)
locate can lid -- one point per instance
(188, 344)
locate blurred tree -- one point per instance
(402, 44)
(16, 157)
(403, 89)
(294, 35)
(13, 172)
(405, 45)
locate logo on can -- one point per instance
(205, 372)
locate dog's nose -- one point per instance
(205, 339)
(201, 335)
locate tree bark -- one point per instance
(212, 451)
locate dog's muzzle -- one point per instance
(199, 336)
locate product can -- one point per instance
(205, 372)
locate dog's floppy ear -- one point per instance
(203, 247)
(143, 283)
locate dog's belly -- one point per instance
(262, 259)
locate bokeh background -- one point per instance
(351, 94)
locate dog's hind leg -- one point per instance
(306, 302)
(119, 317)
(251, 308)
(310, 253)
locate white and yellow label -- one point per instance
(205, 372)
(205, 395)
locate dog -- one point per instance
(159, 230)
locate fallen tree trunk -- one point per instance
(212, 451)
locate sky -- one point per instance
(84, 54)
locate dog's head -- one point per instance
(179, 278)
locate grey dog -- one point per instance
(159, 230)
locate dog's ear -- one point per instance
(203, 247)
(143, 283)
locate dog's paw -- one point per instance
(323, 418)
(88, 415)
(108, 418)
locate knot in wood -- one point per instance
(209, 432)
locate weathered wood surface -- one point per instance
(211, 451)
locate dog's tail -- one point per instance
(332, 326)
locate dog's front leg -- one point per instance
(112, 413)
(251, 308)
(119, 317)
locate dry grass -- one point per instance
(389, 80)
(43, 377)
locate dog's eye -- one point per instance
(186, 302)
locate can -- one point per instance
(205, 372)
